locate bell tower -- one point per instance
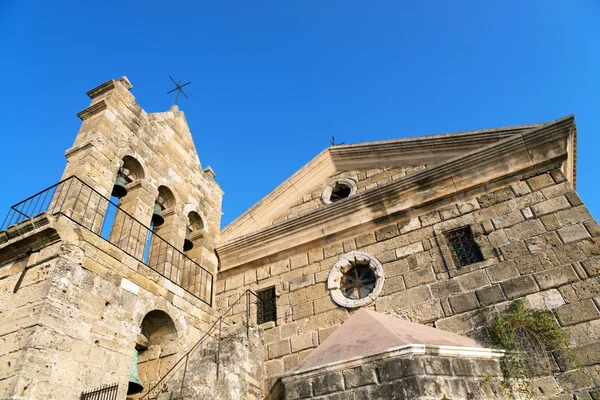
(118, 257)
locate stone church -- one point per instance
(373, 272)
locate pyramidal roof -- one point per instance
(369, 332)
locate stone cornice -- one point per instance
(260, 215)
(92, 110)
(518, 152)
(101, 89)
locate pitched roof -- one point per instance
(368, 332)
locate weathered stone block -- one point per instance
(464, 302)
(360, 376)
(502, 272)
(498, 196)
(574, 380)
(556, 277)
(508, 220)
(473, 280)
(575, 313)
(419, 277)
(490, 295)
(573, 233)
(426, 312)
(520, 188)
(279, 349)
(519, 287)
(328, 383)
(540, 181)
(588, 288)
(573, 216)
(301, 342)
(298, 389)
(549, 299)
(514, 250)
(525, 230)
(445, 288)
(386, 233)
(550, 206)
(303, 310)
(410, 249)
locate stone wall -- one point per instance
(239, 371)
(74, 321)
(397, 376)
(116, 132)
(538, 241)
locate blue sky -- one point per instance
(274, 80)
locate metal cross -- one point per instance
(179, 88)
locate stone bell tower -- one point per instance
(86, 278)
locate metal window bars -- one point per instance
(106, 392)
(83, 205)
(464, 248)
(266, 305)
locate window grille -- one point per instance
(267, 305)
(464, 248)
(106, 392)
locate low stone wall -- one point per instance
(240, 369)
(410, 372)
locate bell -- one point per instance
(119, 190)
(157, 218)
(187, 243)
(135, 384)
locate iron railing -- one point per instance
(83, 205)
(215, 332)
(106, 392)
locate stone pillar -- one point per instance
(164, 256)
(129, 231)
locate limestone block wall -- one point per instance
(365, 179)
(404, 377)
(240, 369)
(538, 240)
(159, 151)
(74, 321)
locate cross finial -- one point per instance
(178, 88)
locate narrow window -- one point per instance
(464, 248)
(267, 306)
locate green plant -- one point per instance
(526, 335)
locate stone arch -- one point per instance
(132, 168)
(195, 221)
(191, 211)
(158, 345)
(166, 197)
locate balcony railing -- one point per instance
(80, 203)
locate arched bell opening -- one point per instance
(157, 351)
(127, 206)
(194, 227)
(163, 255)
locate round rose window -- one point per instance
(355, 280)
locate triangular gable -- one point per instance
(519, 153)
(416, 151)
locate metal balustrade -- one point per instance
(83, 205)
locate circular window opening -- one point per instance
(358, 282)
(355, 280)
(338, 189)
